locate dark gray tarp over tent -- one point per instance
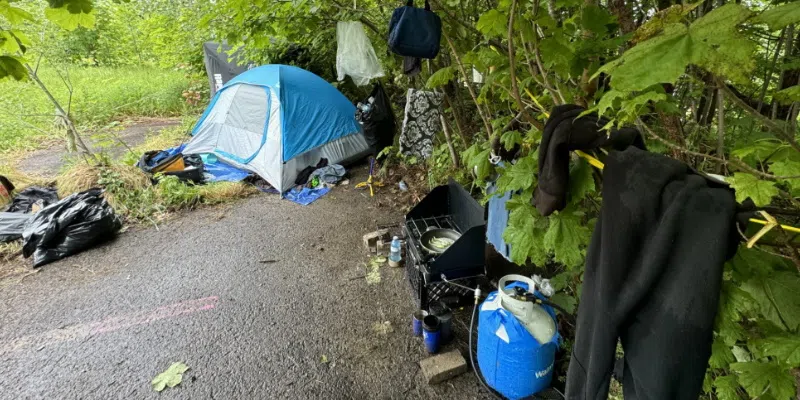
(220, 66)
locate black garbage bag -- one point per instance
(378, 122)
(12, 225)
(24, 200)
(70, 226)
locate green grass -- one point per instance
(101, 94)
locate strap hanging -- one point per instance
(410, 3)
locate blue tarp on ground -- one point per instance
(218, 171)
(305, 196)
(221, 172)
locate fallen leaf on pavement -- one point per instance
(169, 378)
(383, 328)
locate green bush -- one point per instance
(176, 195)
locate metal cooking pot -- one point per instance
(437, 233)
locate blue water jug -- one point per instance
(511, 360)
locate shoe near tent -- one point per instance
(276, 120)
(221, 66)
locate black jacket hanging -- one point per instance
(653, 275)
(565, 132)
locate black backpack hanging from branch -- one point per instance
(415, 32)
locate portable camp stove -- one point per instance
(448, 207)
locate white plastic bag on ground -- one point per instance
(355, 55)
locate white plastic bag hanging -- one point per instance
(355, 55)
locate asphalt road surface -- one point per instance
(253, 296)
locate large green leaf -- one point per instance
(633, 108)
(441, 77)
(718, 46)
(169, 378)
(758, 377)
(518, 176)
(560, 281)
(596, 19)
(787, 168)
(788, 95)
(610, 100)
(14, 15)
(776, 298)
(65, 18)
(510, 139)
(712, 42)
(721, 355)
(758, 150)
(566, 238)
(523, 234)
(581, 180)
(748, 186)
(733, 301)
(12, 67)
(785, 348)
(660, 59)
(566, 302)
(781, 16)
(8, 43)
(557, 53)
(477, 158)
(493, 23)
(749, 263)
(661, 19)
(726, 387)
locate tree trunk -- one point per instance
(71, 129)
(788, 77)
(453, 153)
(624, 13)
(720, 130)
(456, 117)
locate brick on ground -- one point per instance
(371, 239)
(442, 367)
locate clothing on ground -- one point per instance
(306, 196)
(565, 132)
(355, 55)
(261, 184)
(653, 276)
(330, 174)
(305, 174)
(421, 123)
(23, 202)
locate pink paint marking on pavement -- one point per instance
(111, 324)
(126, 321)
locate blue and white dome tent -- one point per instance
(275, 120)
